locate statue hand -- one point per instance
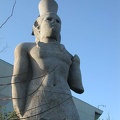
(74, 77)
(76, 59)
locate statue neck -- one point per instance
(47, 40)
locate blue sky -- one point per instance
(91, 29)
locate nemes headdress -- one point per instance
(46, 7)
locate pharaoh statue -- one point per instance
(44, 72)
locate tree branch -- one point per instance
(9, 16)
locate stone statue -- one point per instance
(44, 72)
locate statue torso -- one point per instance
(51, 62)
(48, 93)
(48, 89)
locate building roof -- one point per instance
(87, 111)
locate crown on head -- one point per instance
(47, 6)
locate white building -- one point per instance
(5, 90)
(85, 110)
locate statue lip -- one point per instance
(54, 26)
(55, 29)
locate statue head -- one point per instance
(48, 24)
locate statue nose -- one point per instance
(53, 20)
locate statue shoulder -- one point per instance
(66, 51)
(24, 47)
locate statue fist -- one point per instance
(76, 59)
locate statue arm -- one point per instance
(19, 79)
(74, 78)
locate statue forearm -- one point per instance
(20, 79)
(74, 78)
(19, 94)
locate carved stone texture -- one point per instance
(44, 72)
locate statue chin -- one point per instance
(52, 39)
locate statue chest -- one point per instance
(54, 54)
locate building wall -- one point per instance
(5, 90)
(85, 110)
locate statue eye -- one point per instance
(35, 23)
(49, 18)
(38, 27)
(58, 21)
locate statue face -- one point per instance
(50, 28)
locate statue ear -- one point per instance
(36, 25)
(32, 32)
(36, 32)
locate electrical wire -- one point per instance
(48, 109)
(3, 99)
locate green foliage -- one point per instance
(4, 115)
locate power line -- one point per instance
(12, 75)
(49, 108)
(4, 99)
(33, 93)
(4, 84)
(43, 105)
